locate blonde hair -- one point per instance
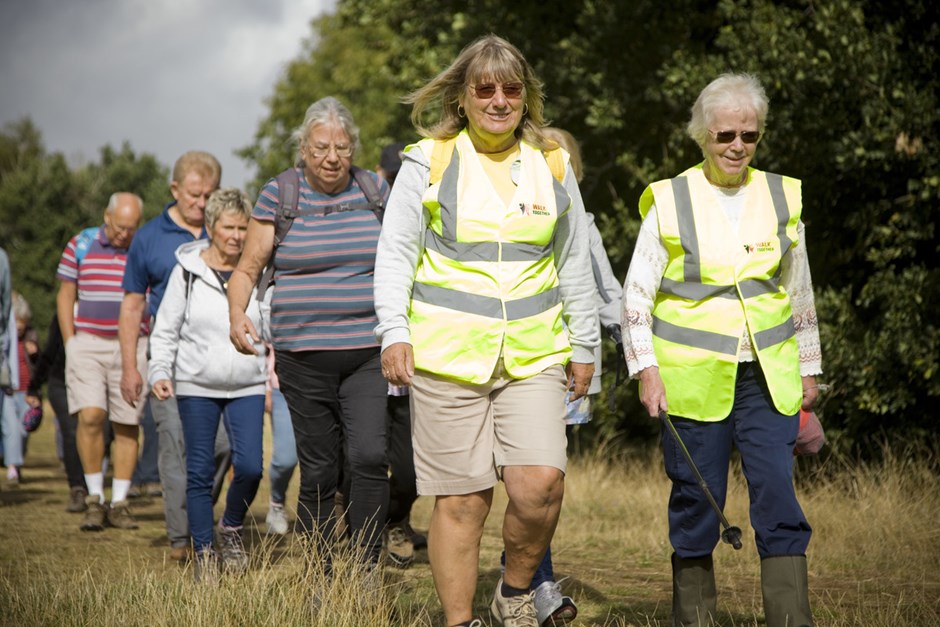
(226, 200)
(728, 91)
(21, 309)
(567, 141)
(488, 58)
(199, 162)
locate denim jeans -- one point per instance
(11, 425)
(403, 491)
(243, 418)
(545, 571)
(329, 392)
(284, 453)
(172, 463)
(765, 439)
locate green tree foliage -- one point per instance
(854, 115)
(44, 202)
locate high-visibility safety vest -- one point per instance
(486, 283)
(716, 284)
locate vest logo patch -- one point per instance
(528, 209)
(761, 247)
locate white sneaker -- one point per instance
(513, 611)
(551, 607)
(276, 519)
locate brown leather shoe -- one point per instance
(96, 516)
(180, 553)
(119, 515)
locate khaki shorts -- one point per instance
(93, 376)
(464, 434)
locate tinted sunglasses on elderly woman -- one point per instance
(485, 91)
(726, 137)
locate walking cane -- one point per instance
(731, 535)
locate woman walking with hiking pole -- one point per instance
(719, 326)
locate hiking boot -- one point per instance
(276, 519)
(180, 553)
(135, 492)
(551, 607)
(399, 548)
(206, 568)
(232, 549)
(13, 477)
(120, 516)
(77, 496)
(516, 611)
(96, 514)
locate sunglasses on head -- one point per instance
(488, 90)
(726, 137)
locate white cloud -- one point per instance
(165, 75)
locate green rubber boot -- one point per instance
(785, 587)
(694, 597)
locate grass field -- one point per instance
(873, 559)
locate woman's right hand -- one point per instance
(398, 363)
(162, 389)
(652, 391)
(242, 332)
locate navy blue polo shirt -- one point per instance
(152, 257)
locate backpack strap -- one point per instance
(288, 197)
(83, 242)
(371, 190)
(443, 152)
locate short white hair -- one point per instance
(728, 91)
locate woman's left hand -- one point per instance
(579, 378)
(810, 392)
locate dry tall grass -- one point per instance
(873, 559)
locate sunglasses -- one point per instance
(485, 91)
(726, 137)
(343, 151)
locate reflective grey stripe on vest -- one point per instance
(485, 251)
(715, 342)
(779, 199)
(562, 200)
(774, 335)
(694, 290)
(447, 198)
(692, 264)
(486, 305)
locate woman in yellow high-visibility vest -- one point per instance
(483, 254)
(719, 326)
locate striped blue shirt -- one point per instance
(324, 268)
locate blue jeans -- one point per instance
(244, 422)
(146, 470)
(765, 439)
(12, 408)
(284, 454)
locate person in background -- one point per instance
(23, 357)
(51, 371)
(283, 453)
(482, 261)
(191, 358)
(720, 328)
(6, 376)
(400, 539)
(322, 318)
(88, 304)
(196, 175)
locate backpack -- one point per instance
(443, 152)
(83, 242)
(288, 197)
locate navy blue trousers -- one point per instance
(765, 438)
(243, 418)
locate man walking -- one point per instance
(90, 274)
(196, 175)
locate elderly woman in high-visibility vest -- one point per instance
(720, 328)
(482, 255)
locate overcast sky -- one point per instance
(165, 75)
